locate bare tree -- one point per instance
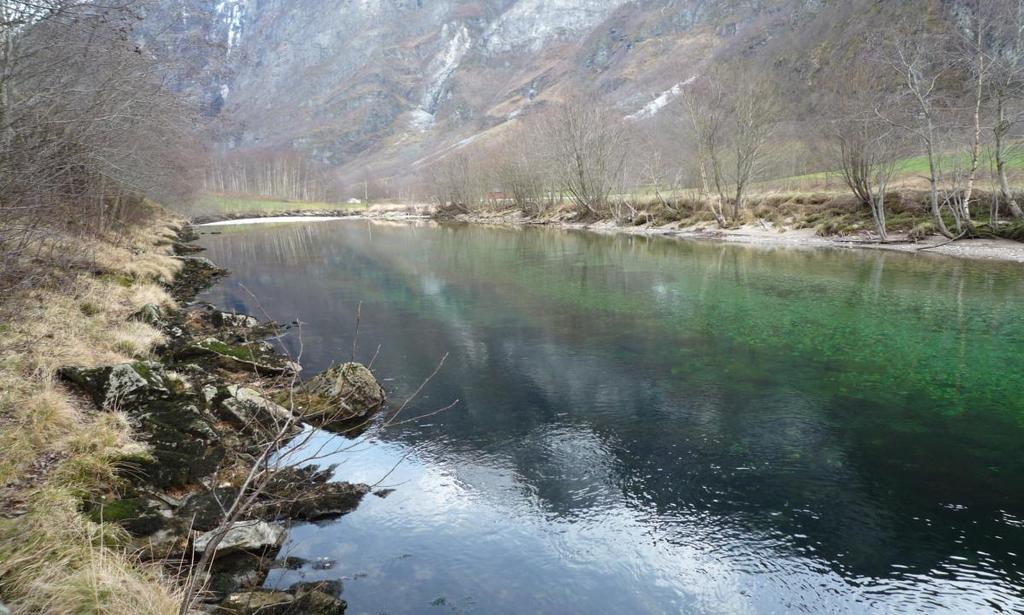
(89, 128)
(1005, 55)
(923, 62)
(520, 173)
(867, 152)
(703, 105)
(588, 146)
(457, 182)
(733, 114)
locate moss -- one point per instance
(243, 353)
(118, 279)
(116, 510)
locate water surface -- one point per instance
(647, 425)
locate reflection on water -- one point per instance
(648, 425)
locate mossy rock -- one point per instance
(203, 511)
(310, 494)
(268, 602)
(151, 314)
(139, 516)
(239, 357)
(251, 602)
(176, 427)
(119, 385)
(341, 395)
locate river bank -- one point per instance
(147, 440)
(765, 234)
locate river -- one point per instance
(650, 425)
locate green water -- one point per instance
(653, 425)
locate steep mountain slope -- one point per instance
(379, 88)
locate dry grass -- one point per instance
(53, 559)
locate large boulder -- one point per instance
(253, 536)
(343, 395)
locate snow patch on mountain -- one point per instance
(440, 71)
(660, 101)
(232, 12)
(528, 24)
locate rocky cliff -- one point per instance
(377, 88)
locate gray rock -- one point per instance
(237, 321)
(151, 314)
(120, 385)
(343, 393)
(255, 536)
(248, 406)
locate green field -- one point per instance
(223, 204)
(917, 166)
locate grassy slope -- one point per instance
(56, 450)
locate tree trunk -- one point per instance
(976, 143)
(933, 183)
(1004, 185)
(878, 213)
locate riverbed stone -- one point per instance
(317, 603)
(252, 536)
(232, 320)
(331, 587)
(203, 511)
(270, 602)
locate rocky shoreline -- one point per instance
(217, 403)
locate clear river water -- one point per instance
(649, 425)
